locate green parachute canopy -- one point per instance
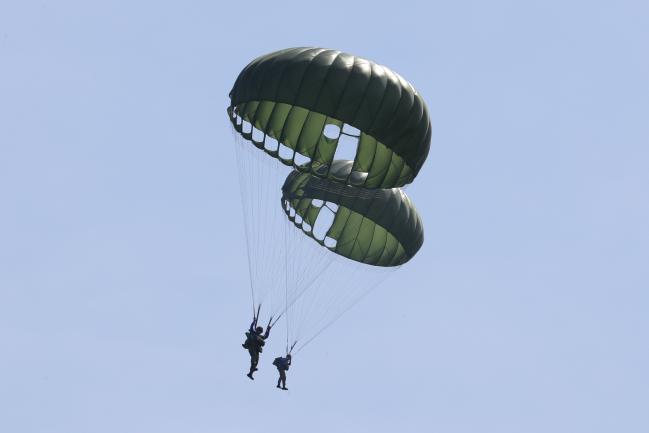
(378, 227)
(309, 106)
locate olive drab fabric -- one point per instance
(374, 226)
(292, 95)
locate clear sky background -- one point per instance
(123, 275)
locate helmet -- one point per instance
(259, 329)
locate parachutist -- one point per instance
(255, 341)
(282, 365)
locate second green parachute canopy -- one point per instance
(378, 227)
(310, 106)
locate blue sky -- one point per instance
(122, 305)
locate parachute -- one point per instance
(378, 227)
(310, 106)
(324, 141)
